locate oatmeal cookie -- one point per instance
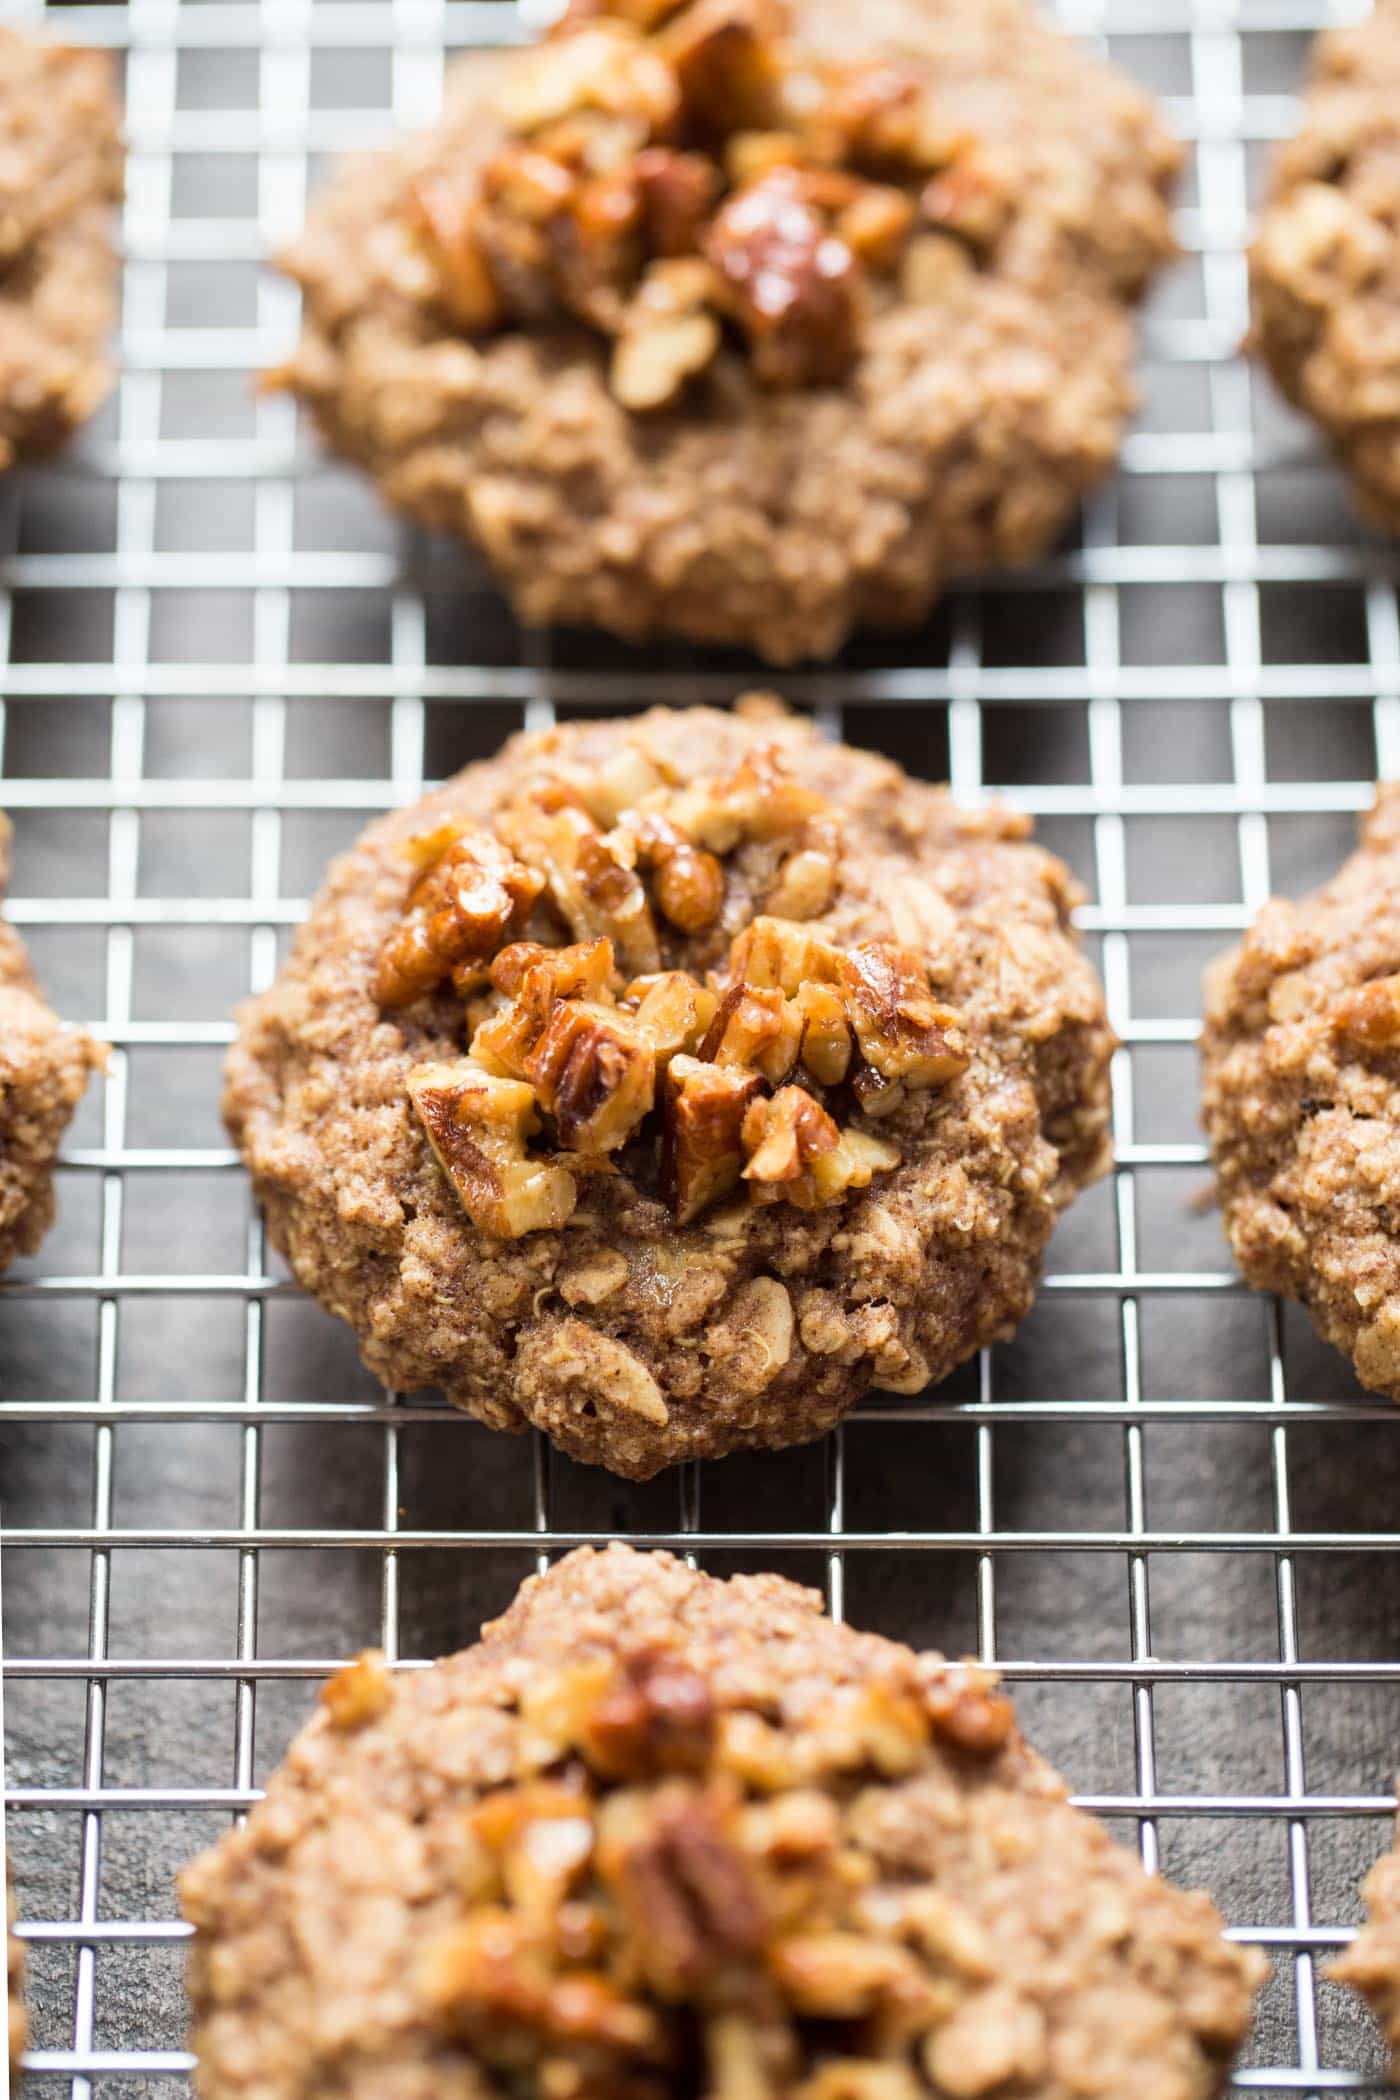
(60, 176)
(1325, 265)
(44, 1067)
(660, 1835)
(776, 1081)
(740, 321)
(1302, 1100)
(16, 2025)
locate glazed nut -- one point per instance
(837, 1975)
(972, 198)
(781, 954)
(655, 1716)
(445, 215)
(826, 1037)
(684, 1885)
(902, 1031)
(477, 1125)
(359, 1693)
(588, 880)
(653, 360)
(727, 60)
(1369, 1014)
(784, 1137)
(673, 1011)
(792, 286)
(594, 1073)
(968, 1711)
(875, 226)
(473, 897)
(678, 192)
(702, 1153)
(758, 800)
(687, 882)
(606, 66)
(805, 886)
(750, 155)
(755, 1028)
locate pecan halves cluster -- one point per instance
(679, 1895)
(675, 171)
(554, 930)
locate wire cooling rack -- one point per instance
(1164, 1509)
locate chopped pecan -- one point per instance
(595, 1073)
(702, 1149)
(759, 800)
(973, 198)
(682, 1881)
(805, 886)
(968, 1711)
(477, 1125)
(491, 1975)
(607, 66)
(678, 192)
(794, 288)
(590, 884)
(783, 954)
(839, 1975)
(875, 226)
(666, 335)
(597, 247)
(540, 1838)
(584, 971)
(688, 882)
(784, 1139)
(857, 1159)
(447, 218)
(826, 1037)
(657, 1715)
(727, 58)
(359, 1693)
(673, 1012)
(882, 121)
(473, 897)
(902, 1031)
(755, 1028)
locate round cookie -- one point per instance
(661, 1836)
(60, 177)
(692, 1191)
(807, 419)
(1325, 265)
(44, 1067)
(1302, 1099)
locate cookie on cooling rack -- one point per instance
(60, 176)
(1302, 1100)
(44, 1067)
(1371, 1964)
(1325, 265)
(740, 321)
(659, 1834)
(666, 1108)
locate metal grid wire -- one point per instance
(1163, 1509)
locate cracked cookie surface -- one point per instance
(44, 1067)
(1302, 1100)
(844, 1175)
(1325, 264)
(60, 179)
(796, 421)
(661, 1837)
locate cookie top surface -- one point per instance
(60, 176)
(662, 1836)
(730, 1175)
(1302, 1099)
(1325, 264)
(711, 392)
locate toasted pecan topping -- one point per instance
(684, 1892)
(1369, 1014)
(646, 133)
(360, 1692)
(754, 1069)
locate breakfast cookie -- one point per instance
(1302, 1099)
(658, 1835)
(16, 2025)
(60, 177)
(744, 321)
(669, 1110)
(1325, 265)
(1371, 1964)
(44, 1067)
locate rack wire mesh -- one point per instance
(1163, 1509)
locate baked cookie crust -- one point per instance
(632, 1340)
(44, 1067)
(1325, 265)
(806, 1863)
(60, 177)
(1301, 1050)
(964, 436)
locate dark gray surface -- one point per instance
(1127, 716)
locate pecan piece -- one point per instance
(606, 66)
(586, 873)
(673, 1012)
(880, 119)
(702, 1149)
(473, 897)
(491, 1977)
(678, 192)
(973, 198)
(447, 218)
(657, 1715)
(1369, 1014)
(826, 1036)
(726, 58)
(758, 800)
(784, 1139)
(359, 1693)
(666, 335)
(902, 1031)
(756, 1029)
(968, 1711)
(781, 953)
(595, 1073)
(687, 882)
(477, 1125)
(684, 1884)
(794, 288)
